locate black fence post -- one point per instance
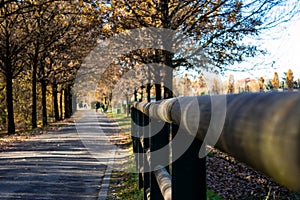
(160, 135)
(188, 171)
(136, 143)
(144, 139)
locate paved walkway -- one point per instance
(71, 163)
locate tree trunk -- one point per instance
(167, 56)
(168, 93)
(74, 104)
(68, 101)
(165, 13)
(158, 92)
(34, 111)
(70, 96)
(142, 95)
(61, 104)
(44, 102)
(10, 106)
(66, 93)
(168, 80)
(148, 88)
(135, 95)
(127, 105)
(55, 101)
(34, 83)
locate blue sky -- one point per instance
(283, 46)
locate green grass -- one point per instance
(122, 120)
(211, 195)
(125, 185)
(129, 188)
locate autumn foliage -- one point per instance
(43, 44)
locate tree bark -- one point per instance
(55, 101)
(68, 101)
(61, 104)
(165, 13)
(135, 95)
(168, 79)
(44, 102)
(70, 96)
(10, 107)
(148, 88)
(74, 104)
(158, 92)
(167, 56)
(34, 82)
(34, 112)
(127, 105)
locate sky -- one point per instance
(283, 46)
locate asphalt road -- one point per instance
(72, 163)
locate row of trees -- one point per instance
(274, 84)
(217, 28)
(43, 44)
(190, 86)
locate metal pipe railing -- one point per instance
(260, 129)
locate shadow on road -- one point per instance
(64, 164)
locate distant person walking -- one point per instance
(102, 107)
(97, 106)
